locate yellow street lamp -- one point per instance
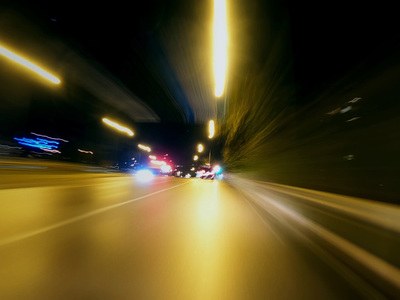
(211, 129)
(145, 148)
(200, 148)
(220, 46)
(195, 157)
(118, 127)
(22, 61)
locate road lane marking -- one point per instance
(80, 218)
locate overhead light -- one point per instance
(22, 61)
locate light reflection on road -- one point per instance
(181, 239)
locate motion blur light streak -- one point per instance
(353, 119)
(38, 143)
(85, 151)
(49, 137)
(22, 61)
(158, 162)
(118, 127)
(145, 148)
(289, 127)
(346, 109)
(220, 46)
(8, 147)
(211, 129)
(189, 50)
(51, 150)
(355, 100)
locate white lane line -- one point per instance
(79, 218)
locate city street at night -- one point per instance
(199, 150)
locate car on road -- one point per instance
(206, 172)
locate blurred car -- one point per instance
(206, 173)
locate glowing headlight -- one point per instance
(144, 175)
(165, 169)
(217, 169)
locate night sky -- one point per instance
(148, 65)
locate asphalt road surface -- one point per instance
(69, 234)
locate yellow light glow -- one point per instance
(118, 127)
(85, 151)
(200, 148)
(152, 157)
(22, 61)
(145, 148)
(195, 157)
(211, 129)
(220, 46)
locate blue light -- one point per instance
(47, 141)
(38, 143)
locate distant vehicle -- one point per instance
(206, 173)
(144, 175)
